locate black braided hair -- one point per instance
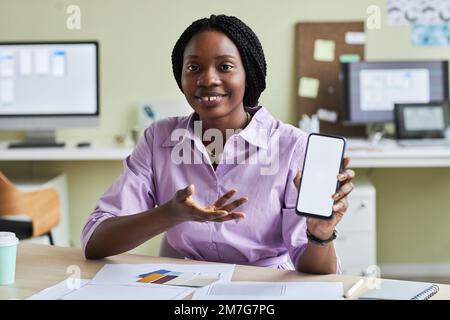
(246, 41)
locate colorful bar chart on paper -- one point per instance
(167, 277)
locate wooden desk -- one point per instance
(41, 266)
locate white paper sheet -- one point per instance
(89, 291)
(253, 290)
(127, 292)
(57, 291)
(128, 273)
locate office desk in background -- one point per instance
(99, 150)
(386, 154)
(42, 266)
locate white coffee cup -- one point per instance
(8, 253)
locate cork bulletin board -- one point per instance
(319, 50)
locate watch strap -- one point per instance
(318, 241)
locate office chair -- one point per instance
(166, 250)
(41, 206)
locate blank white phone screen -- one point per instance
(319, 178)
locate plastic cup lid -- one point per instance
(8, 239)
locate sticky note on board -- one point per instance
(349, 57)
(324, 50)
(308, 87)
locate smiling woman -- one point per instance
(213, 78)
(219, 65)
(237, 36)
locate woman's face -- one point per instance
(213, 76)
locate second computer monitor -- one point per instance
(48, 85)
(371, 89)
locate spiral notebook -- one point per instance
(402, 290)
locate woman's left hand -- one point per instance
(323, 229)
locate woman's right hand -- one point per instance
(184, 207)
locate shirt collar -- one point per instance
(187, 125)
(257, 132)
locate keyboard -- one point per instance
(424, 143)
(35, 145)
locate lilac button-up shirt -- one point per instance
(260, 162)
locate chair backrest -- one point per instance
(9, 197)
(166, 250)
(42, 205)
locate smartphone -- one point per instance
(323, 162)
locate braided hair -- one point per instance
(246, 41)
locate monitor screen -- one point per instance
(373, 88)
(48, 79)
(421, 120)
(430, 118)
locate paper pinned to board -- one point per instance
(352, 37)
(430, 35)
(423, 12)
(429, 20)
(324, 50)
(308, 87)
(327, 115)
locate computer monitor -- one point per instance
(371, 89)
(422, 120)
(48, 85)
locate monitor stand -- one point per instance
(38, 139)
(377, 131)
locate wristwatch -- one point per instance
(318, 241)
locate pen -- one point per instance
(354, 288)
